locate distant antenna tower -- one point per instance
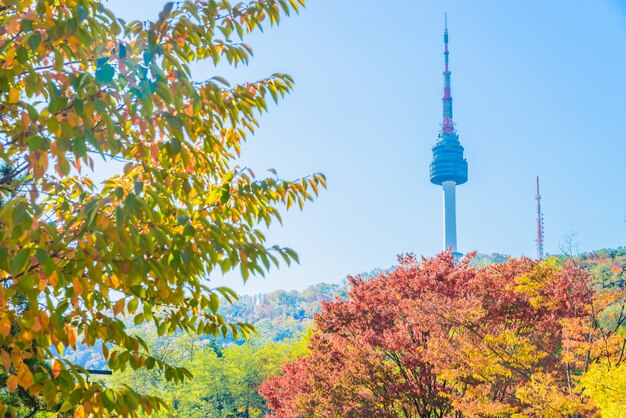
(539, 224)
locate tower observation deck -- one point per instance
(448, 168)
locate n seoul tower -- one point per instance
(448, 168)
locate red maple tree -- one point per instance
(439, 338)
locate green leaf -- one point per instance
(229, 294)
(44, 260)
(214, 302)
(78, 105)
(176, 146)
(225, 194)
(189, 231)
(49, 392)
(221, 80)
(132, 305)
(82, 13)
(139, 318)
(66, 406)
(121, 52)
(18, 212)
(105, 74)
(291, 253)
(76, 396)
(19, 261)
(34, 40)
(22, 55)
(109, 399)
(138, 187)
(167, 9)
(57, 104)
(79, 146)
(100, 62)
(26, 25)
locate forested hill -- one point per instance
(282, 315)
(278, 316)
(604, 265)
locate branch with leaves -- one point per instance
(77, 83)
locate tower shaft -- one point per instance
(449, 215)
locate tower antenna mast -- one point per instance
(539, 224)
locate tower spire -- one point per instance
(447, 126)
(539, 224)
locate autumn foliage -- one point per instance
(78, 86)
(438, 338)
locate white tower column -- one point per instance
(449, 215)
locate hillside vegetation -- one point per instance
(228, 373)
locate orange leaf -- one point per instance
(36, 325)
(43, 318)
(56, 368)
(12, 382)
(80, 412)
(189, 109)
(78, 287)
(6, 360)
(71, 336)
(25, 376)
(154, 151)
(53, 279)
(119, 306)
(5, 325)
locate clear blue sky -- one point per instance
(538, 89)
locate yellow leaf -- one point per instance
(14, 95)
(9, 56)
(115, 282)
(27, 335)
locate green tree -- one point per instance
(226, 381)
(76, 83)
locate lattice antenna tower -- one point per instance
(539, 224)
